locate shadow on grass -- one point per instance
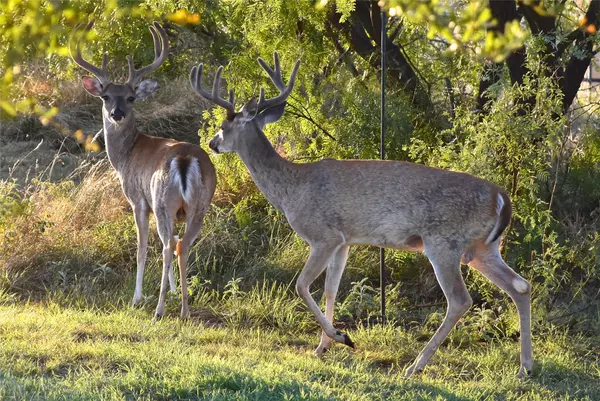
(568, 382)
(216, 383)
(221, 383)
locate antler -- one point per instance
(196, 80)
(99, 73)
(276, 78)
(161, 51)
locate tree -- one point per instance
(565, 55)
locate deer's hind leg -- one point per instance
(172, 284)
(446, 264)
(193, 226)
(488, 261)
(165, 222)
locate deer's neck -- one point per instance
(120, 141)
(274, 176)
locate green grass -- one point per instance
(49, 352)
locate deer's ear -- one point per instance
(92, 85)
(146, 88)
(249, 110)
(271, 114)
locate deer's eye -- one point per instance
(131, 99)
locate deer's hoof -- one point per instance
(411, 370)
(347, 340)
(321, 350)
(524, 372)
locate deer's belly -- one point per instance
(410, 242)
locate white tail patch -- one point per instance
(499, 206)
(192, 178)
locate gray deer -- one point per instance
(175, 180)
(452, 217)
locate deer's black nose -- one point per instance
(213, 145)
(117, 114)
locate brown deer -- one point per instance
(452, 217)
(175, 180)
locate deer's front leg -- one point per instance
(332, 283)
(320, 255)
(140, 215)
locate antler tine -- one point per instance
(100, 73)
(275, 75)
(155, 40)
(196, 81)
(104, 60)
(161, 51)
(217, 82)
(276, 78)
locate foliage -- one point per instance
(464, 26)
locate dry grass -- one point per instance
(62, 229)
(174, 111)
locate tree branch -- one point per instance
(539, 24)
(357, 30)
(300, 113)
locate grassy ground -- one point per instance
(55, 353)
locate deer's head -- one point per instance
(254, 115)
(118, 99)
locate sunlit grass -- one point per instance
(50, 352)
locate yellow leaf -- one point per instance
(591, 29)
(193, 18)
(92, 147)
(6, 106)
(78, 135)
(182, 17)
(51, 112)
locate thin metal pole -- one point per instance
(382, 153)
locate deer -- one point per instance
(451, 217)
(174, 180)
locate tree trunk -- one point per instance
(568, 78)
